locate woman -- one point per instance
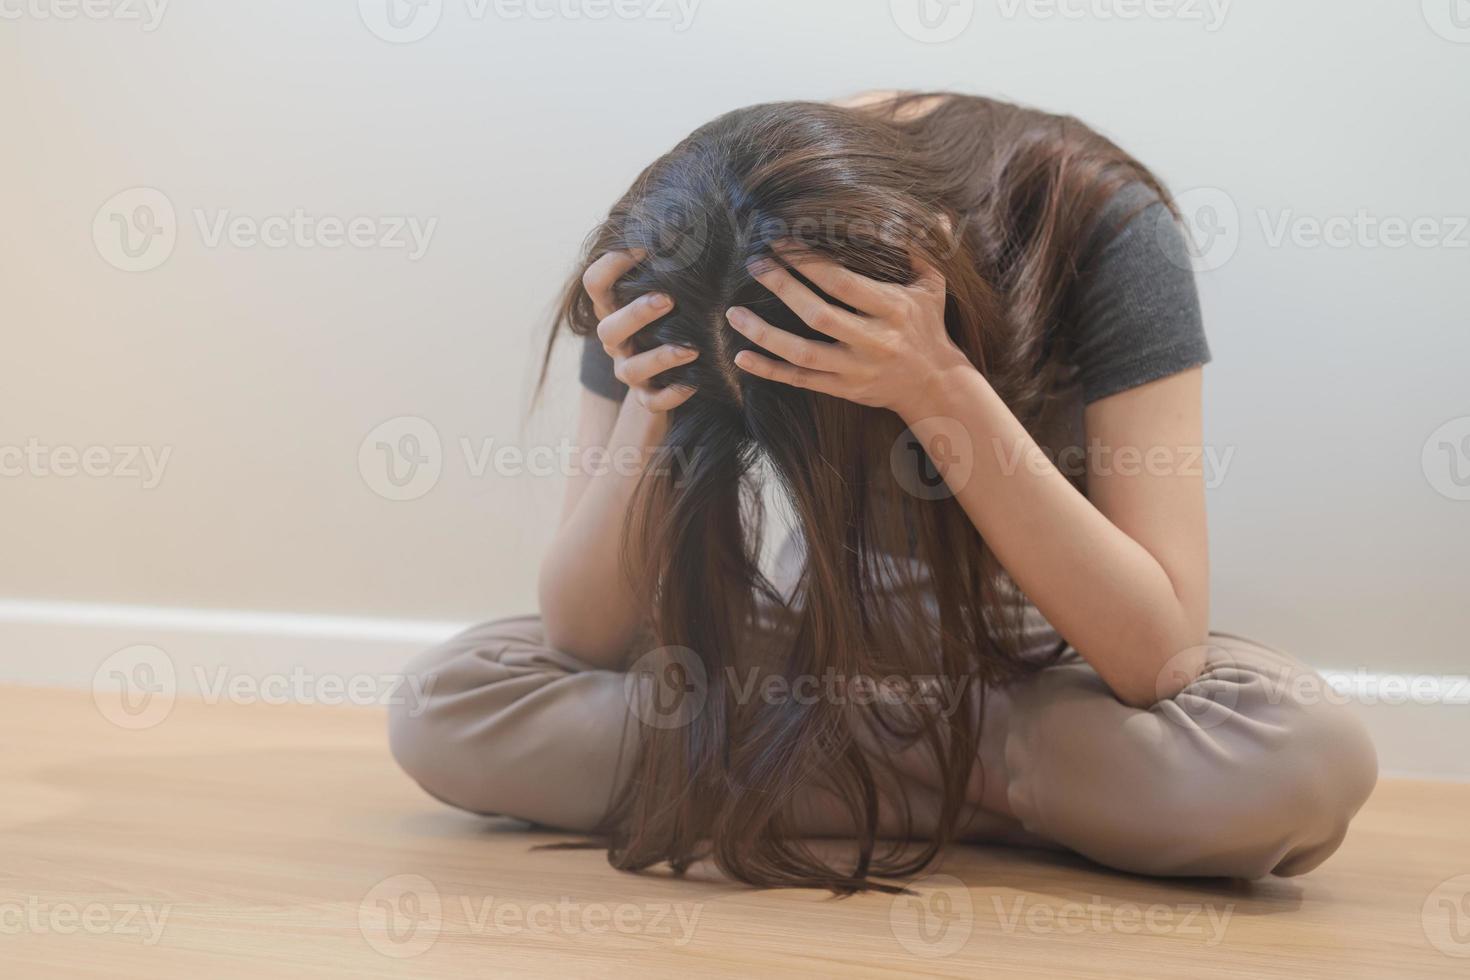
(962, 341)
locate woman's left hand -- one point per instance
(891, 354)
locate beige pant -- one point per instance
(1253, 768)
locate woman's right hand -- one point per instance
(616, 327)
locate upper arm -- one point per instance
(1138, 315)
(596, 417)
(1138, 346)
(1146, 474)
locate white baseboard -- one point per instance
(66, 644)
(300, 657)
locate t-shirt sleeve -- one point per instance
(597, 371)
(1138, 318)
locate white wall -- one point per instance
(261, 370)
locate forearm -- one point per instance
(1104, 592)
(587, 603)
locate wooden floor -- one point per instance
(253, 840)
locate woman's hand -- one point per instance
(891, 354)
(616, 328)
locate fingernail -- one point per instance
(736, 315)
(688, 354)
(658, 301)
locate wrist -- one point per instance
(934, 391)
(640, 426)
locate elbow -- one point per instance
(1136, 696)
(563, 633)
(572, 624)
(1164, 662)
(588, 643)
(558, 619)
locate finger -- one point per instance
(603, 274)
(814, 354)
(666, 399)
(618, 327)
(837, 281)
(787, 374)
(926, 276)
(814, 311)
(640, 368)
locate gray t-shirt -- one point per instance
(1139, 316)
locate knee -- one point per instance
(1327, 768)
(421, 729)
(1286, 767)
(496, 722)
(449, 717)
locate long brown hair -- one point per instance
(1007, 203)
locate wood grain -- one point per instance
(234, 840)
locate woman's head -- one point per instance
(838, 182)
(1000, 201)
